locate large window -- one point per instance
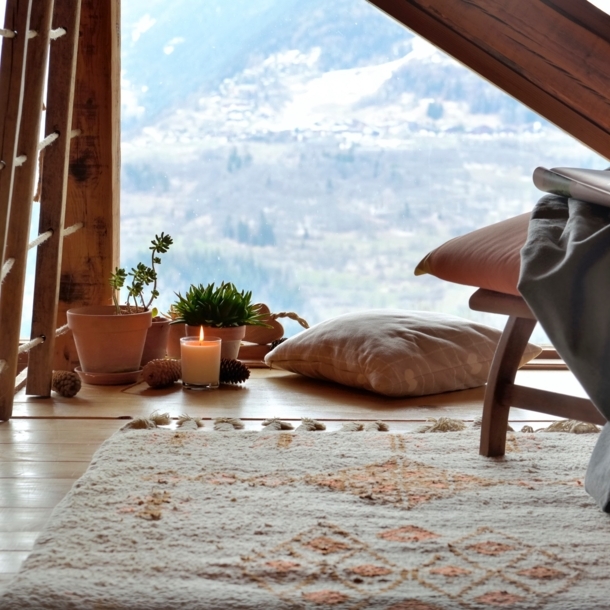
(313, 152)
(603, 5)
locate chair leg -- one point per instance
(502, 374)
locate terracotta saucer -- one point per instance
(108, 378)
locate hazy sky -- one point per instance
(604, 5)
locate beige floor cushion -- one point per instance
(394, 352)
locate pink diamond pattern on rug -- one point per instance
(327, 566)
(325, 555)
(488, 569)
(399, 481)
(407, 533)
(449, 574)
(499, 598)
(326, 597)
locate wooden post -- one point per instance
(90, 255)
(60, 96)
(12, 78)
(11, 296)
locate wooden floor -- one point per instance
(49, 442)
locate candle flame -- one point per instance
(201, 334)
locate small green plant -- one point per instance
(220, 307)
(141, 276)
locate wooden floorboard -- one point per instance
(10, 561)
(26, 519)
(35, 493)
(17, 541)
(42, 470)
(49, 443)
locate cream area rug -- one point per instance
(200, 519)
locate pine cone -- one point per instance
(65, 383)
(277, 342)
(161, 372)
(233, 371)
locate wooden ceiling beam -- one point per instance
(551, 55)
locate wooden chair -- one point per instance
(489, 259)
(502, 392)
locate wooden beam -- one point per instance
(90, 255)
(552, 55)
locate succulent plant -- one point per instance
(220, 307)
(142, 276)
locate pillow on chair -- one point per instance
(486, 258)
(394, 352)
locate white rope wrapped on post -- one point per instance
(40, 239)
(26, 347)
(7, 33)
(21, 159)
(72, 229)
(8, 265)
(75, 133)
(57, 33)
(32, 34)
(48, 140)
(44, 236)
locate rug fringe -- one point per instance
(227, 424)
(571, 425)
(186, 421)
(275, 423)
(352, 426)
(565, 425)
(372, 426)
(442, 424)
(141, 423)
(161, 419)
(376, 426)
(310, 425)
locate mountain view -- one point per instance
(313, 152)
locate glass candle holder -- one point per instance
(200, 360)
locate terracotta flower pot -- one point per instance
(107, 342)
(231, 338)
(156, 340)
(176, 332)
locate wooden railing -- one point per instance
(56, 56)
(23, 75)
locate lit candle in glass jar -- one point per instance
(200, 358)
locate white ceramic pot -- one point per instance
(231, 336)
